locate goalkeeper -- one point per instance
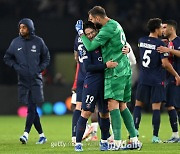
(117, 88)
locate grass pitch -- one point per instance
(58, 132)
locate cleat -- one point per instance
(132, 146)
(42, 140)
(172, 140)
(78, 148)
(137, 134)
(23, 139)
(94, 138)
(104, 146)
(156, 139)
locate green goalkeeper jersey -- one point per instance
(111, 38)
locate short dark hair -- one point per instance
(97, 10)
(172, 23)
(153, 24)
(89, 24)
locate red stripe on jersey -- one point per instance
(76, 76)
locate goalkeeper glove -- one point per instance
(79, 27)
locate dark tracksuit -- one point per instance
(29, 57)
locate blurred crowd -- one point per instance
(135, 10)
(132, 14)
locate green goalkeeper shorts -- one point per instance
(118, 88)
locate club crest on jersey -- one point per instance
(85, 86)
(33, 48)
(88, 106)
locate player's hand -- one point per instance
(125, 49)
(79, 27)
(177, 80)
(162, 49)
(111, 64)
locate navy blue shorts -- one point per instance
(173, 95)
(150, 94)
(91, 97)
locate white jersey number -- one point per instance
(146, 58)
(89, 99)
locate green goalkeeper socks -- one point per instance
(128, 121)
(116, 123)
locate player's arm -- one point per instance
(9, 58)
(101, 38)
(97, 67)
(45, 57)
(167, 65)
(163, 49)
(90, 45)
(127, 49)
(75, 55)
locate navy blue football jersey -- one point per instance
(79, 47)
(174, 59)
(94, 66)
(151, 70)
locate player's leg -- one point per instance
(77, 111)
(156, 122)
(104, 121)
(112, 90)
(29, 120)
(142, 96)
(170, 103)
(76, 115)
(137, 114)
(157, 97)
(38, 127)
(88, 106)
(81, 126)
(115, 115)
(104, 124)
(127, 116)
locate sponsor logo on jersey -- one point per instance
(19, 48)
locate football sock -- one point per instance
(116, 123)
(30, 117)
(137, 116)
(81, 126)
(41, 135)
(37, 124)
(104, 126)
(76, 115)
(128, 121)
(156, 122)
(26, 134)
(173, 120)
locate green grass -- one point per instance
(58, 132)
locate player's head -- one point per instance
(90, 30)
(169, 27)
(26, 27)
(154, 25)
(96, 14)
